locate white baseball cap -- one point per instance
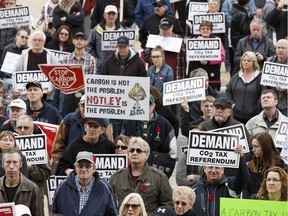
(110, 8)
(22, 210)
(18, 103)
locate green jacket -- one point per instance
(152, 185)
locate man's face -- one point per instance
(123, 51)
(10, 3)
(84, 170)
(213, 6)
(24, 127)
(160, 10)
(207, 108)
(166, 32)
(256, 30)
(93, 131)
(110, 17)
(137, 154)
(15, 112)
(79, 42)
(268, 101)
(213, 174)
(12, 164)
(81, 107)
(34, 94)
(282, 49)
(221, 114)
(37, 43)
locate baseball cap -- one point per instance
(223, 102)
(34, 83)
(164, 211)
(22, 210)
(84, 155)
(82, 99)
(110, 8)
(123, 40)
(159, 2)
(80, 34)
(96, 121)
(165, 23)
(18, 103)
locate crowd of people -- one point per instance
(252, 36)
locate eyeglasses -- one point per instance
(81, 166)
(273, 180)
(121, 147)
(179, 202)
(24, 37)
(158, 6)
(22, 127)
(133, 206)
(156, 57)
(62, 33)
(138, 150)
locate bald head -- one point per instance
(282, 50)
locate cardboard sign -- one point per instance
(52, 183)
(117, 97)
(59, 54)
(67, 78)
(197, 8)
(9, 17)
(192, 89)
(218, 20)
(50, 130)
(7, 209)
(171, 44)
(274, 73)
(109, 39)
(9, 63)
(284, 153)
(281, 137)
(233, 207)
(34, 148)
(203, 49)
(236, 129)
(212, 149)
(107, 164)
(21, 78)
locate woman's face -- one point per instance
(257, 150)
(157, 58)
(273, 182)
(247, 63)
(132, 207)
(121, 147)
(205, 31)
(181, 204)
(7, 142)
(63, 35)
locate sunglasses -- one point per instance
(138, 150)
(179, 202)
(66, 34)
(158, 6)
(133, 206)
(156, 57)
(24, 37)
(121, 147)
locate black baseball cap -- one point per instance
(34, 83)
(80, 34)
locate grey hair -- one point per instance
(24, 117)
(199, 72)
(257, 21)
(143, 144)
(37, 32)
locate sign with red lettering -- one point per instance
(67, 78)
(7, 209)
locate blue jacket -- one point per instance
(101, 199)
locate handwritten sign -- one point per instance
(9, 17)
(281, 137)
(171, 44)
(109, 39)
(218, 20)
(197, 8)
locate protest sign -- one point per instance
(233, 207)
(191, 89)
(7, 209)
(52, 183)
(50, 130)
(67, 78)
(236, 129)
(184, 149)
(274, 73)
(107, 164)
(59, 54)
(9, 63)
(212, 149)
(284, 153)
(117, 97)
(109, 39)
(218, 20)
(34, 148)
(204, 49)
(171, 44)
(197, 8)
(9, 17)
(21, 78)
(281, 137)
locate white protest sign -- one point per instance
(52, 183)
(284, 154)
(34, 148)
(274, 73)
(7, 209)
(171, 44)
(59, 54)
(10, 62)
(191, 89)
(204, 49)
(109, 39)
(9, 17)
(21, 78)
(236, 129)
(107, 164)
(218, 20)
(212, 149)
(117, 97)
(197, 8)
(281, 137)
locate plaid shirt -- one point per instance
(87, 61)
(83, 194)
